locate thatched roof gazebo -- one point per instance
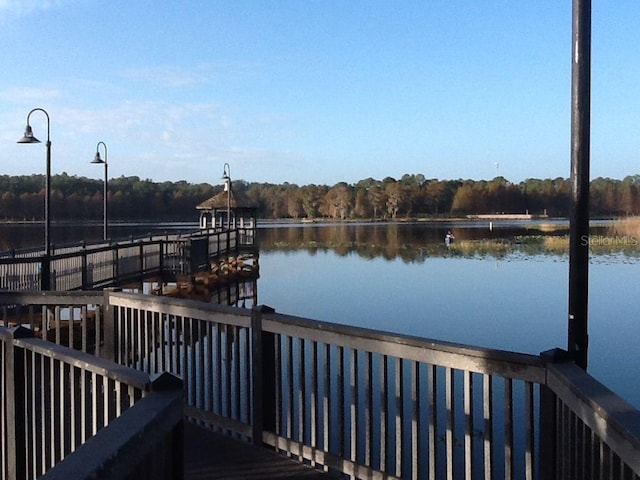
(227, 210)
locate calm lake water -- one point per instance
(514, 297)
(504, 287)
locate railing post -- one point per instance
(108, 350)
(262, 376)
(161, 252)
(141, 253)
(15, 376)
(116, 268)
(85, 273)
(167, 382)
(549, 455)
(45, 273)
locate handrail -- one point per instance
(605, 419)
(135, 443)
(87, 362)
(54, 399)
(298, 359)
(448, 354)
(366, 403)
(87, 266)
(348, 399)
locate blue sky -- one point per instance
(312, 91)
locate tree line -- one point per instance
(413, 195)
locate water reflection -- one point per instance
(504, 287)
(504, 291)
(414, 242)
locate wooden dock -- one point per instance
(210, 455)
(362, 403)
(129, 262)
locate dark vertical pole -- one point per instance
(46, 263)
(106, 190)
(578, 339)
(47, 203)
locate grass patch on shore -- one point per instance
(626, 227)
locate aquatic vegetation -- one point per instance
(389, 242)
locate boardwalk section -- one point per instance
(344, 400)
(210, 455)
(125, 262)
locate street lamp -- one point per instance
(226, 176)
(29, 138)
(99, 160)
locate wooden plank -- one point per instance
(384, 411)
(416, 450)
(368, 407)
(468, 425)
(399, 379)
(508, 430)
(302, 389)
(487, 410)
(290, 394)
(354, 406)
(432, 395)
(212, 455)
(313, 400)
(340, 427)
(450, 396)
(327, 404)
(529, 418)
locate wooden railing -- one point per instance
(99, 265)
(72, 319)
(54, 399)
(145, 443)
(370, 404)
(212, 354)
(376, 405)
(593, 433)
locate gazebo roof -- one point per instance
(219, 201)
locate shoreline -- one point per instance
(466, 220)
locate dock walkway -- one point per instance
(210, 455)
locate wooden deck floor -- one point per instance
(209, 455)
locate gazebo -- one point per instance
(227, 210)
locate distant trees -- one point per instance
(80, 198)
(132, 198)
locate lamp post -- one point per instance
(29, 138)
(578, 333)
(98, 160)
(226, 176)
